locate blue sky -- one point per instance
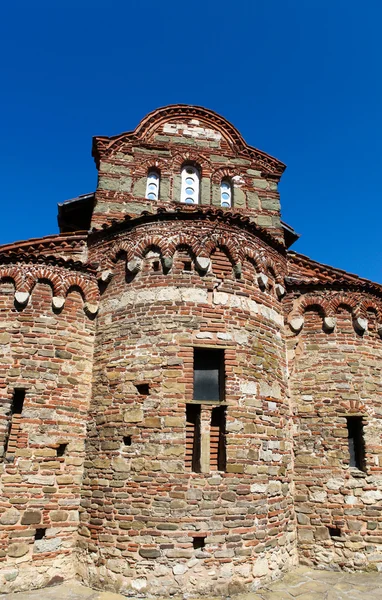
(300, 79)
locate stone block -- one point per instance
(18, 549)
(31, 517)
(10, 517)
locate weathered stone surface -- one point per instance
(31, 517)
(18, 549)
(10, 517)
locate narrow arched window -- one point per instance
(226, 193)
(190, 185)
(152, 186)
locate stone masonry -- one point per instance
(113, 470)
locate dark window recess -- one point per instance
(199, 542)
(192, 459)
(10, 443)
(156, 266)
(18, 401)
(208, 374)
(334, 531)
(61, 449)
(40, 534)
(143, 389)
(127, 440)
(187, 265)
(218, 439)
(356, 443)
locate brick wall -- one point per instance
(336, 374)
(142, 505)
(47, 353)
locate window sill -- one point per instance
(209, 402)
(354, 472)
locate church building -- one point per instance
(188, 406)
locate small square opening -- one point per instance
(61, 450)
(334, 531)
(40, 533)
(187, 266)
(127, 440)
(156, 266)
(143, 389)
(18, 401)
(199, 542)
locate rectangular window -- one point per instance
(15, 424)
(208, 374)
(218, 439)
(356, 443)
(192, 461)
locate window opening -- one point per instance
(127, 440)
(190, 185)
(218, 439)
(334, 531)
(208, 374)
(156, 265)
(18, 401)
(152, 186)
(226, 193)
(187, 265)
(192, 458)
(61, 449)
(15, 423)
(143, 389)
(199, 542)
(356, 443)
(40, 533)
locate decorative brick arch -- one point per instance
(89, 290)
(225, 172)
(368, 305)
(13, 273)
(192, 157)
(182, 239)
(309, 301)
(342, 300)
(219, 241)
(271, 266)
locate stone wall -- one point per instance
(47, 352)
(336, 373)
(142, 505)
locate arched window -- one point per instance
(152, 186)
(190, 185)
(226, 193)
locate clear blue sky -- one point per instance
(300, 79)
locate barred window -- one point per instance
(190, 185)
(152, 187)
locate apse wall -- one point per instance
(336, 384)
(154, 522)
(45, 384)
